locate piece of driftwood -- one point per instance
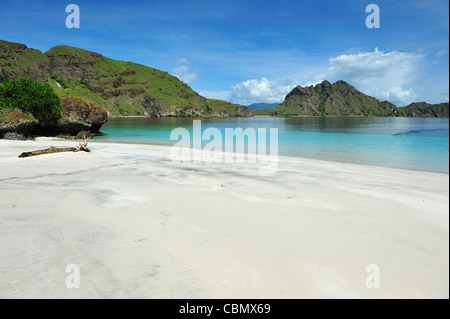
(81, 147)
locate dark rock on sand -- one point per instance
(16, 125)
(78, 115)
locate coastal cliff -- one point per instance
(77, 116)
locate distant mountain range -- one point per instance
(121, 88)
(260, 106)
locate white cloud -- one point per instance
(384, 75)
(441, 53)
(254, 91)
(184, 72)
(399, 94)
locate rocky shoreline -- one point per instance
(79, 118)
(16, 125)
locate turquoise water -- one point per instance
(416, 144)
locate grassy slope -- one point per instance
(17, 60)
(122, 88)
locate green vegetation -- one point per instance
(338, 99)
(32, 97)
(121, 88)
(16, 116)
(16, 60)
(423, 109)
(126, 89)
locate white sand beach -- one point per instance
(140, 226)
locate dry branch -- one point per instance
(81, 147)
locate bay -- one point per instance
(406, 143)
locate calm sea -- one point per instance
(408, 143)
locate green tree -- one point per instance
(37, 98)
(2, 79)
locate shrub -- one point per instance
(30, 96)
(3, 79)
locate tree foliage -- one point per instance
(37, 98)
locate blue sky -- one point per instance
(256, 51)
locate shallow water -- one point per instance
(408, 143)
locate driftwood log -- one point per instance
(81, 147)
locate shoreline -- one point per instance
(285, 117)
(281, 155)
(141, 226)
(411, 156)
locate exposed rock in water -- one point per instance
(16, 125)
(78, 115)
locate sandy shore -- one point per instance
(141, 226)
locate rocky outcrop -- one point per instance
(78, 115)
(277, 114)
(230, 110)
(16, 125)
(81, 115)
(66, 63)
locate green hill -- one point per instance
(423, 109)
(333, 100)
(341, 99)
(121, 88)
